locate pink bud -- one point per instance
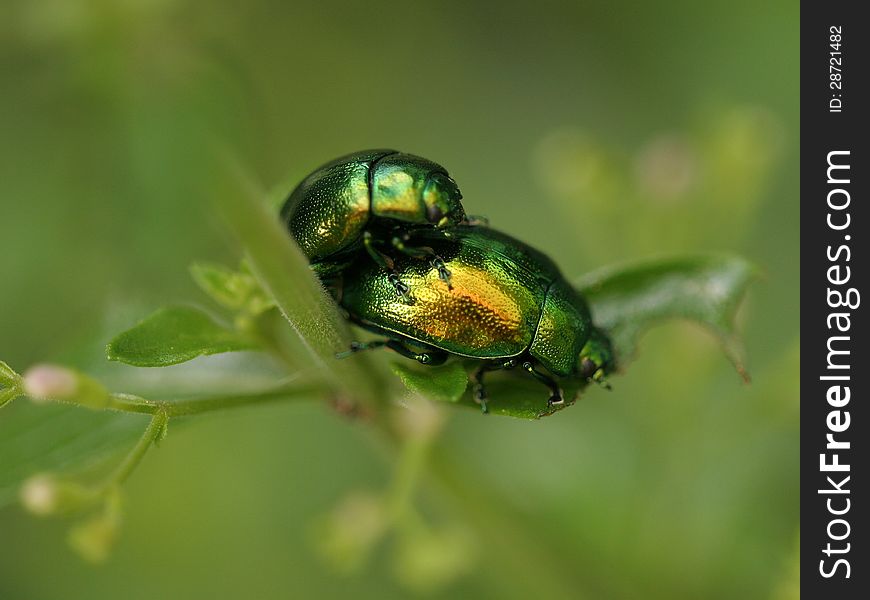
(49, 382)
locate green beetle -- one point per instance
(369, 200)
(508, 306)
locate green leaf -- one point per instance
(174, 335)
(8, 377)
(627, 300)
(58, 438)
(445, 383)
(8, 394)
(10, 384)
(236, 290)
(515, 394)
(66, 440)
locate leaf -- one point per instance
(627, 300)
(236, 290)
(174, 335)
(429, 559)
(8, 377)
(445, 383)
(516, 394)
(10, 384)
(67, 440)
(58, 438)
(8, 394)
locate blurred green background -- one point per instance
(598, 132)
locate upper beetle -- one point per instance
(371, 200)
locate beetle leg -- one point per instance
(443, 272)
(555, 392)
(360, 346)
(603, 383)
(479, 387)
(479, 390)
(386, 263)
(433, 357)
(422, 253)
(476, 221)
(400, 286)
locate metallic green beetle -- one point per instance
(508, 305)
(368, 200)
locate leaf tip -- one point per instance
(111, 353)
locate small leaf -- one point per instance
(94, 539)
(428, 560)
(174, 335)
(627, 300)
(516, 394)
(236, 290)
(10, 384)
(9, 394)
(445, 383)
(8, 377)
(347, 535)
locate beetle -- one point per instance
(370, 200)
(508, 306)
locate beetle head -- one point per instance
(596, 360)
(443, 201)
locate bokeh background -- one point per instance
(598, 132)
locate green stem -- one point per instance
(161, 412)
(411, 465)
(152, 434)
(194, 406)
(132, 404)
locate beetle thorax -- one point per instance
(397, 195)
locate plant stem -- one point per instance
(132, 404)
(194, 406)
(152, 433)
(161, 412)
(408, 470)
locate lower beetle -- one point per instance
(508, 306)
(369, 200)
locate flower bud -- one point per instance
(429, 560)
(45, 495)
(45, 383)
(347, 536)
(94, 539)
